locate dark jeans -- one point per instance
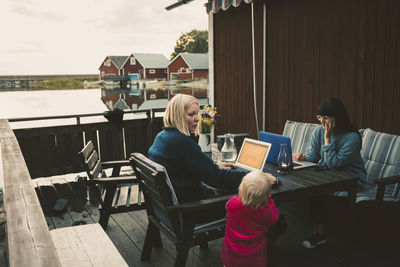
(318, 209)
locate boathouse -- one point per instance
(188, 66)
(112, 66)
(146, 66)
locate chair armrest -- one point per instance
(382, 183)
(115, 163)
(115, 180)
(200, 205)
(388, 180)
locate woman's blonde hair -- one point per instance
(175, 113)
(254, 189)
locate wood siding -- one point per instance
(347, 49)
(108, 70)
(159, 73)
(131, 69)
(178, 63)
(200, 73)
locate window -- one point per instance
(107, 62)
(165, 71)
(188, 70)
(102, 74)
(133, 61)
(152, 71)
(182, 70)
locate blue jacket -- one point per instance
(188, 167)
(343, 153)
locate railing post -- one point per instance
(149, 128)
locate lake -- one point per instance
(19, 104)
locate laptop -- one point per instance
(252, 155)
(276, 140)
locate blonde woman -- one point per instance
(189, 169)
(249, 217)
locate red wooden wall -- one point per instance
(348, 49)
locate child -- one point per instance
(248, 219)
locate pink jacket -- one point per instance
(245, 242)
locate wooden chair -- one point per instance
(177, 221)
(116, 193)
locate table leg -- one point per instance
(351, 230)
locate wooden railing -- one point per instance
(28, 237)
(53, 150)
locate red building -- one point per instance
(112, 65)
(146, 66)
(188, 66)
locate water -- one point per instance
(228, 156)
(41, 103)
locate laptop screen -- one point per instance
(253, 154)
(276, 140)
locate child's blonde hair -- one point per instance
(254, 189)
(175, 113)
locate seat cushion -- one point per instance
(381, 155)
(370, 194)
(300, 134)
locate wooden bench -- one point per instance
(85, 245)
(29, 241)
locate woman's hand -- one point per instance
(299, 156)
(328, 126)
(226, 165)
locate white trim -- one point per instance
(264, 63)
(210, 91)
(254, 69)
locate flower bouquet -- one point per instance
(208, 118)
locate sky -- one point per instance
(74, 36)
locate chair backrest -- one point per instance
(157, 189)
(300, 135)
(381, 155)
(90, 161)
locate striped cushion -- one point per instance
(300, 135)
(381, 154)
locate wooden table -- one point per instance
(310, 182)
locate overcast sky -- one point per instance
(74, 36)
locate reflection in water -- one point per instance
(139, 98)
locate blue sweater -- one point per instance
(342, 153)
(188, 167)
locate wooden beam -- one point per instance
(29, 239)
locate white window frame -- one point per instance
(102, 73)
(188, 70)
(107, 62)
(132, 61)
(152, 71)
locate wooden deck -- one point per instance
(127, 232)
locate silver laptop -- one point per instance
(252, 155)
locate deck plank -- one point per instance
(85, 245)
(127, 232)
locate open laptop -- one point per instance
(276, 140)
(252, 155)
